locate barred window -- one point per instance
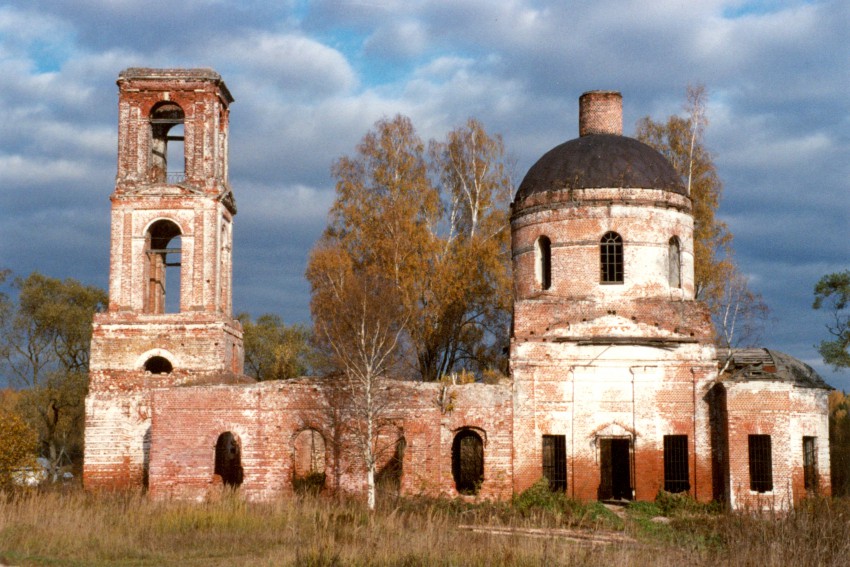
(676, 463)
(761, 463)
(810, 463)
(611, 258)
(543, 253)
(555, 462)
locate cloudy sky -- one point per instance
(310, 78)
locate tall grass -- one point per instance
(77, 528)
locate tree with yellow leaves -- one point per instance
(433, 225)
(738, 312)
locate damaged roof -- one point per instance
(766, 364)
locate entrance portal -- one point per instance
(616, 469)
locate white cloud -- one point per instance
(289, 62)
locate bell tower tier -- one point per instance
(169, 320)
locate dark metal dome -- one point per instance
(600, 161)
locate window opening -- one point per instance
(555, 462)
(611, 258)
(676, 477)
(228, 459)
(158, 365)
(674, 263)
(468, 461)
(543, 253)
(810, 463)
(616, 470)
(308, 462)
(163, 250)
(176, 155)
(761, 463)
(163, 120)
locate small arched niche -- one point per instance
(162, 265)
(166, 121)
(228, 459)
(308, 461)
(158, 365)
(674, 262)
(468, 461)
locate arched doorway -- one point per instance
(468, 461)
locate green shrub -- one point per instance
(312, 483)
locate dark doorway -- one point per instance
(468, 461)
(616, 469)
(228, 459)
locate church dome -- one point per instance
(601, 157)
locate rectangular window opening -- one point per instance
(810, 463)
(761, 463)
(676, 473)
(555, 462)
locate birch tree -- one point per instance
(434, 226)
(360, 332)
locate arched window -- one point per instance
(468, 461)
(308, 462)
(158, 365)
(165, 118)
(674, 263)
(228, 459)
(162, 247)
(611, 258)
(543, 261)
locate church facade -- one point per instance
(614, 394)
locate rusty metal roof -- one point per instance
(752, 364)
(600, 161)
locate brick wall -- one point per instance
(268, 417)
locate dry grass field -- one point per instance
(72, 527)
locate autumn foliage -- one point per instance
(18, 445)
(431, 223)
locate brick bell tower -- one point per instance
(169, 320)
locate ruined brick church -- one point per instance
(615, 389)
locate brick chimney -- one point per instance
(600, 112)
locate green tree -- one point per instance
(434, 226)
(45, 338)
(738, 312)
(18, 445)
(274, 350)
(833, 292)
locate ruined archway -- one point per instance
(308, 461)
(228, 459)
(468, 461)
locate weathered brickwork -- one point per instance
(614, 388)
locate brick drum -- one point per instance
(615, 390)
